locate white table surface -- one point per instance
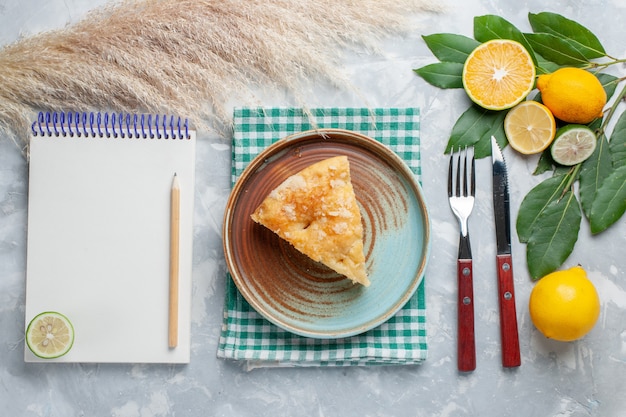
(583, 378)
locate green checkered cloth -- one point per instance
(245, 334)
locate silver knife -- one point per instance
(504, 261)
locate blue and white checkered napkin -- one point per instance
(246, 335)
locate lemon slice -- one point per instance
(498, 74)
(50, 335)
(529, 127)
(573, 144)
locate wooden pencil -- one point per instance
(174, 262)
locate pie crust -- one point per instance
(316, 211)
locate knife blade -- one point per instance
(504, 260)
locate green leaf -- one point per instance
(609, 83)
(545, 66)
(468, 129)
(617, 145)
(442, 74)
(500, 136)
(490, 27)
(535, 203)
(610, 202)
(545, 163)
(595, 125)
(556, 49)
(578, 36)
(482, 149)
(448, 47)
(562, 170)
(593, 172)
(474, 128)
(554, 236)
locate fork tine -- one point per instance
(458, 176)
(464, 171)
(450, 168)
(473, 174)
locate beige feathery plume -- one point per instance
(188, 57)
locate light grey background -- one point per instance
(583, 378)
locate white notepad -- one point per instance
(99, 234)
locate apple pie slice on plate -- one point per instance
(317, 212)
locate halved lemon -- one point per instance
(573, 144)
(50, 335)
(498, 74)
(529, 127)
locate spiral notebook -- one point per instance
(99, 218)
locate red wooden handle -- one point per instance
(508, 317)
(466, 342)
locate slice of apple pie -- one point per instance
(316, 211)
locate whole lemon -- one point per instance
(573, 95)
(564, 305)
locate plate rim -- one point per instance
(283, 144)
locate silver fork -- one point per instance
(461, 192)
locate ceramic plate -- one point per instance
(303, 296)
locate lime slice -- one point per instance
(573, 144)
(50, 335)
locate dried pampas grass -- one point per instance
(187, 57)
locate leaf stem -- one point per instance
(572, 175)
(603, 65)
(611, 111)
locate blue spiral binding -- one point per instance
(110, 125)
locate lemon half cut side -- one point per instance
(498, 74)
(50, 335)
(529, 127)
